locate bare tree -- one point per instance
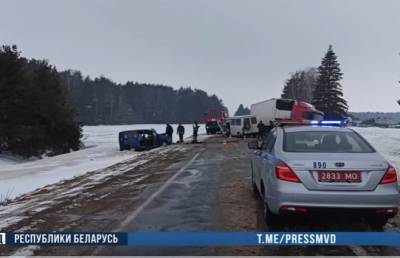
(300, 86)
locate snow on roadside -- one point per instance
(102, 150)
(50, 195)
(26, 250)
(385, 140)
(22, 178)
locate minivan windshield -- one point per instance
(326, 142)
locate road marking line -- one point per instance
(143, 206)
(131, 217)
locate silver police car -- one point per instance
(300, 169)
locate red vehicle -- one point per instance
(215, 121)
(304, 111)
(285, 110)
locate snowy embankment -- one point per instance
(385, 140)
(101, 150)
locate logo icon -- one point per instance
(2, 238)
(339, 164)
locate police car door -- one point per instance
(267, 158)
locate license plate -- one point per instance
(342, 176)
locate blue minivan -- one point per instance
(144, 139)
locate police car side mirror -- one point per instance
(253, 145)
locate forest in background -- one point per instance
(42, 110)
(375, 115)
(102, 101)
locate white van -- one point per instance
(243, 125)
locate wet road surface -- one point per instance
(203, 187)
(214, 194)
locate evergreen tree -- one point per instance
(241, 111)
(328, 95)
(35, 115)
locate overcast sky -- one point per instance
(243, 51)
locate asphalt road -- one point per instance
(202, 187)
(214, 193)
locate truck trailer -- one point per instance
(284, 109)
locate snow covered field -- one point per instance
(386, 141)
(102, 150)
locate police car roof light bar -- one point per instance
(328, 122)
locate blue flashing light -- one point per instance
(328, 122)
(331, 122)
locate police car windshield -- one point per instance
(326, 142)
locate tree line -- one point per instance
(320, 87)
(42, 110)
(102, 101)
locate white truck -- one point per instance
(284, 109)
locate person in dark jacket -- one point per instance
(195, 132)
(180, 131)
(228, 129)
(261, 129)
(269, 128)
(169, 131)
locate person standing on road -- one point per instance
(261, 129)
(270, 127)
(169, 131)
(180, 131)
(228, 129)
(195, 132)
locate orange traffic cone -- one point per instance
(225, 143)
